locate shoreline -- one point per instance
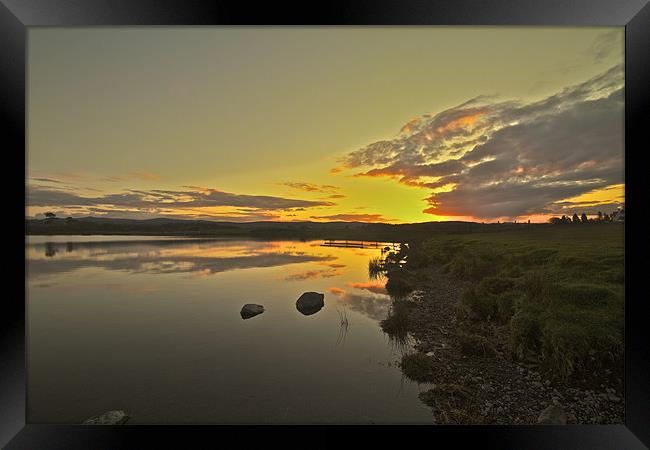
(483, 384)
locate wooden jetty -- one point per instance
(383, 246)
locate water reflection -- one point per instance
(373, 305)
(200, 257)
(157, 326)
(343, 326)
(396, 325)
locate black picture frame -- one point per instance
(17, 15)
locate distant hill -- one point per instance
(260, 230)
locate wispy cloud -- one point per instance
(354, 218)
(156, 198)
(312, 275)
(605, 44)
(371, 286)
(196, 202)
(311, 187)
(47, 180)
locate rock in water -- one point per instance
(251, 310)
(310, 303)
(115, 417)
(553, 415)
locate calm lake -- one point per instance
(152, 326)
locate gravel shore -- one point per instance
(495, 389)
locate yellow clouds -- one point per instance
(463, 122)
(609, 194)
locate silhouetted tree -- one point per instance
(606, 218)
(555, 220)
(600, 215)
(576, 219)
(584, 218)
(50, 249)
(50, 215)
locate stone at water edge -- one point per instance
(310, 303)
(251, 310)
(115, 417)
(553, 415)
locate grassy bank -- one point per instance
(555, 294)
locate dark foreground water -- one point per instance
(152, 326)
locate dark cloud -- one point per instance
(509, 158)
(47, 180)
(156, 199)
(153, 213)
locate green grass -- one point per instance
(376, 268)
(475, 345)
(559, 290)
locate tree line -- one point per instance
(618, 215)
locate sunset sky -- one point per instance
(390, 124)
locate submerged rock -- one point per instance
(310, 303)
(115, 417)
(251, 310)
(553, 415)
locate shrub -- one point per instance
(525, 333)
(475, 345)
(493, 298)
(506, 304)
(398, 284)
(466, 265)
(581, 295)
(397, 323)
(451, 404)
(418, 367)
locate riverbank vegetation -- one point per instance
(553, 297)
